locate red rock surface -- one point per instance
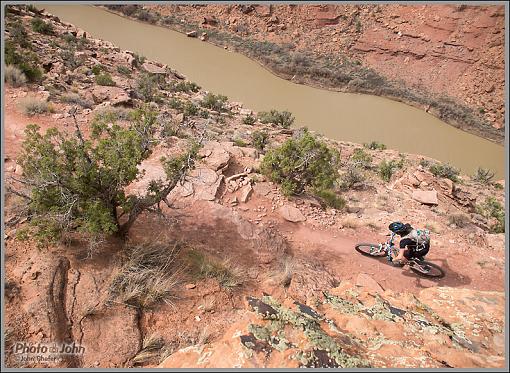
(441, 327)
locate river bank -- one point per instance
(337, 72)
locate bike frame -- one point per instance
(388, 245)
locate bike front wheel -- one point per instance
(370, 249)
(427, 269)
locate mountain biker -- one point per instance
(409, 247)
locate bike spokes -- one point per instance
(426, 269)
(370, 249)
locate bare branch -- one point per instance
(13, 191)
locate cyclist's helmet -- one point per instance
(399, 228)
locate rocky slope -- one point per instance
(442, 51)
(290, 248)
(358, 327)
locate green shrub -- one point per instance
(71, 61)
(190, 109)
(69, 38)
(146, 87)
(14, 76)
(169, 129)
(249, 120)
(112, 114)
(96, 69)
(124, 70)
(240, 142)
(32, 106)
(445, 170)
(32, 8)
(483, 175)
(105, 79)
(374, 145)
(300, 164)
(78, 184)
(329, 198)
(358, 25)
(362, 158)
(175, 103)
(352, 175)
(42, 27)
(491, 208)
(424, 163)
(214, 102)
(138, 60)
(280, 118)
(26, 62)
(183, 86)
(19, 35)
(259, 139)
(387, 169)
(146, 16)
(23, 234)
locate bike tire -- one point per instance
(435, 272)
(359, 248)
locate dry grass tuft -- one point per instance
(152, 348)
(32, 106)
(460, 220)
(350, 222)
(433, 226)
(289, 268)
(14, 76)
(224, 271)
(150, 276)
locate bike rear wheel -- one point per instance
(427, 269)
(370, 249)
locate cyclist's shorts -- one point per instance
(412, 252)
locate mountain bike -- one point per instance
(388, 250)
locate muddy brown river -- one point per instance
(343, 116)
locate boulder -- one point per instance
(246, 192)
(210, 21)
(215, 155)
(202, 175)
(262, 189)
(154, 69)
(116, 95)
(426, 197)
(192, 34)
(465, 196)
(209, 192)
(18, 170)
(291, 214)
(250, 152)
